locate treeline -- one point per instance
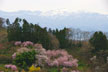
(62, 36)
(21, 30)
(32, 32)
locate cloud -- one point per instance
(106, 4)
(1, 2)
(47, 5)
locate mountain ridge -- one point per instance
(82, 20)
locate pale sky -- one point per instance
(97, 6)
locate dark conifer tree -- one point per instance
(25, 31)
(99, 42)
(28, 32)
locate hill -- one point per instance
(84, 21)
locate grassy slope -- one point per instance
(82, 55)
(3, 35)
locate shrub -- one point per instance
(38, 56)
(25, 59)
(54, 58)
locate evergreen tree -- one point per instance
(14, 30)
(17, 30)
(99, 42)
(61, 35)
(28, 32)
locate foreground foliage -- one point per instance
(37, 58)
(25, 59)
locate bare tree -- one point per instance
(86, 35)
(79, 35)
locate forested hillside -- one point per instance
(28, 47)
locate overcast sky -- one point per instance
(98, 6)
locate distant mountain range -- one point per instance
(82, 20)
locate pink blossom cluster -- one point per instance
(38, 46)
(54, 53)
(41, 60)
(41, 57)
(40, 49)
(12, 67)
(27, 43)
(49, 57)
(17, 43)
(60, 58)
(14, 56)
(54, 57)
(22, 49)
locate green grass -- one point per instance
(54, 69)
(2, 67)
(82, 66)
